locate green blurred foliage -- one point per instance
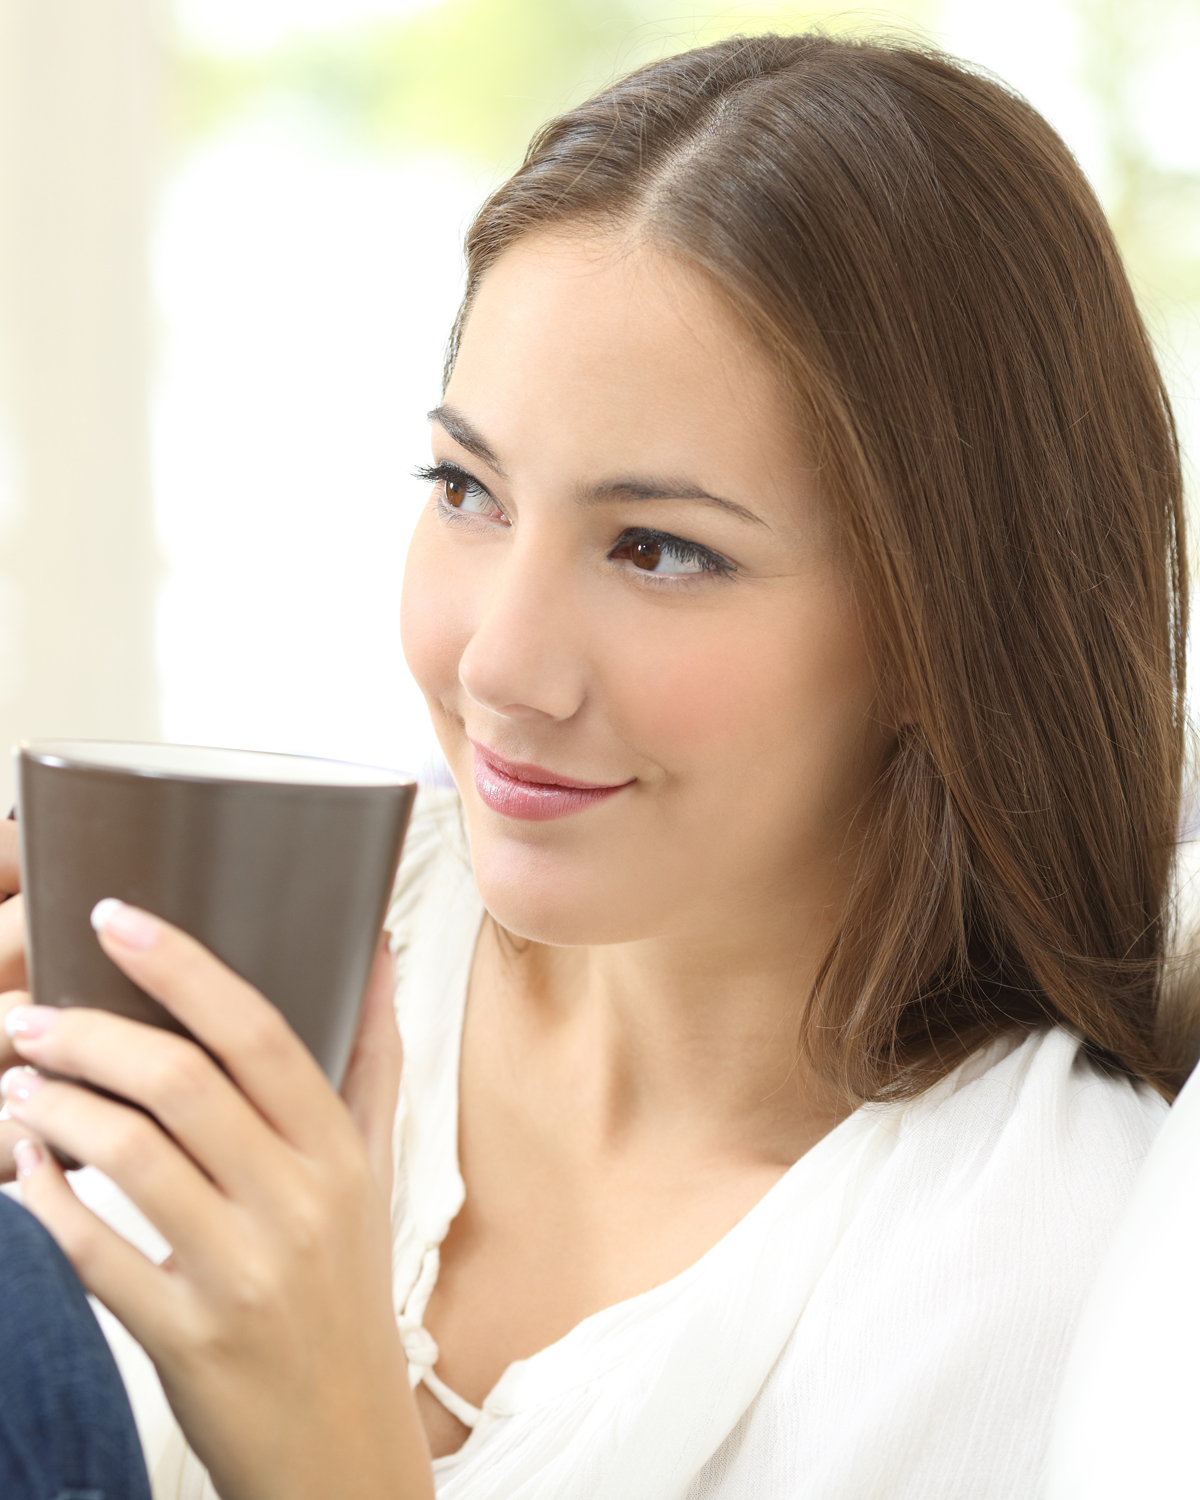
(1154, 208)
(475, 77)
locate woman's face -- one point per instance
(624, 579)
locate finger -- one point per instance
(14, 1000)
(372, 1082)
(175, 1080)
(12, 944)
(10, 1134)
(137, 1291)
(10, 857)
(130, 1148)
(263, 1054)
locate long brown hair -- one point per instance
(937, 283)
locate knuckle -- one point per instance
(209, 1329)
(264, 1033)
(199, 1336)
(129, 1145)
(353, 1176)
(250, 1293)
(305, 1223)
(74, 1037)
(351, 1187)
(81, 1241)
(178, 1074)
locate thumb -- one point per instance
(371, 1086)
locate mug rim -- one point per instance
(168, 761)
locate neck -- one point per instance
(674, 1038)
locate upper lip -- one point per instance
(523, 770)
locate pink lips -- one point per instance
(519, 790)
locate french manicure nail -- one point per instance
(20, 1083)
(28, 1157)
(128, 924)
(28, 1021)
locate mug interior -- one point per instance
(208, 763)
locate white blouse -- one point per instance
(890, 1320)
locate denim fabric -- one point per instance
(66, 1430)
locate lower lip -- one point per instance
(535, 801)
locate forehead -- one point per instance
(615, 349)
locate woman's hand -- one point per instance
(12, 910)
(12, 968)
(271, 1323)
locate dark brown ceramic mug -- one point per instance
(280, 865)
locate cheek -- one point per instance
(435, 623)
(792, 685)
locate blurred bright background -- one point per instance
(229, 258)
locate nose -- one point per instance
(524, 659)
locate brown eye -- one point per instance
(456, 491)
(668, 556)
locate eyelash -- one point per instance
(678, 547)
(443, 473)
(711, 563)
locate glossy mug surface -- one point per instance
(281, 865)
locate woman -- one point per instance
(800, 604)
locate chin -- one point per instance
(549, 897)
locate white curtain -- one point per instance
(79, 140)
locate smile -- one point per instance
(517, 790)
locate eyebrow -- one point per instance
(455, 425)
(636, 488)
(631, 487)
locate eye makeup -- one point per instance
(655, 554)
(662, 554)
(458, 487)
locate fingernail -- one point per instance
(20, 1083)
(28, 1156)
(128, 924)
(29, 1021)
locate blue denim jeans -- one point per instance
(66, 1430)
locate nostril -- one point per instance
(520, 680)
(524, 711)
